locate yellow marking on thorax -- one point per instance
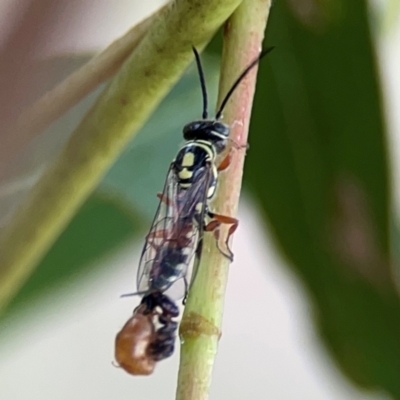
(212, 188)
(185, 174)
(203, 144)
(188, 160)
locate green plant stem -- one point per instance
(122, 108)
(70, 91)
(201, 322)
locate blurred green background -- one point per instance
(317, 168)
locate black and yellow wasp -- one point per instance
(174, 242)
(173, 246)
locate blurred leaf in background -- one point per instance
(318, 167)
(99, 227)
(140, 171)
(125, 200)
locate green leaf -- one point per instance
(104, 223)
(28, 167)
(99, 227)
(318, 165)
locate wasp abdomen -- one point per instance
(171, 262)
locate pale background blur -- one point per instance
(268, 349)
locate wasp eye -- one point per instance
(221, 128)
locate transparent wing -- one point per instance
(168, 256)
(193, 209)
(163, 223)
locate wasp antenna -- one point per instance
(239, 79)
(202, 83)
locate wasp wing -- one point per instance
(163, 223)
(175, 234)
(195, 206)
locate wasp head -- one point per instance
(211, 131)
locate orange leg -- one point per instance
(152, 237)
(170, 236)
(214, 226)
(238, 146)
(164, 199)
(156, 234)
(225, 162)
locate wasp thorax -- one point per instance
(211, 131)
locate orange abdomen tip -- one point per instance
(131, 345)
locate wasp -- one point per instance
(173, 245)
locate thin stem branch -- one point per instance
(53, 104)
(122, 108)
(201, 323)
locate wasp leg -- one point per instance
(214, 226)
(186, 291)
(152, 237)
(164, 199)
(238, 146)
(224, 164)
(157, 234)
